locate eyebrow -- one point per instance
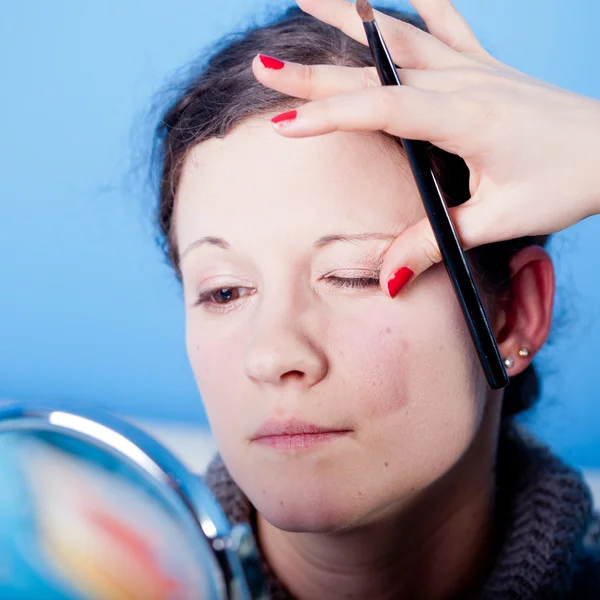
(318, 244)
(355, 237)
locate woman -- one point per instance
(355, 428)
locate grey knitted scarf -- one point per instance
(550, 538)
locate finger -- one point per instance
(313, 82)
(401, 111)
(410, 47)
(445, 22)
(416, 249)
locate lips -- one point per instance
(295, 434)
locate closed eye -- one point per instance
(353, 282)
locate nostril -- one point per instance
(293, 375)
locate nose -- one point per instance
(285, 350)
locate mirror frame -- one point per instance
(235, 562)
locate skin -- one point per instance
(460, 98)
(405, 500)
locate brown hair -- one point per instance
(222, 92)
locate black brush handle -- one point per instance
(454, 256)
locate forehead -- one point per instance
(254, 179)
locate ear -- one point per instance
(524, 319)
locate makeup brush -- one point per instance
(452, 253)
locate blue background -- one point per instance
(88, 310)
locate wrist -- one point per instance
(586, 186)
(595, 161)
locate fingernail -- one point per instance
(286, 116)
(399, 280)
(271, 63)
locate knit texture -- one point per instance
(549, 535)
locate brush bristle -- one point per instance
(365, 11)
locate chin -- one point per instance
(309, 507)
(301, 519)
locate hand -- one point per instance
(533, 149)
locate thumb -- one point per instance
(416, 248)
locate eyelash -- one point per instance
(353, 282)
(340, 282)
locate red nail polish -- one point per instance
(271, 63)
(286, 116)
(399, 280)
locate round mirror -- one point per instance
(92, 508)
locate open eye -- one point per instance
(223, 296)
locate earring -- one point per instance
(509, 362)
(523, 352)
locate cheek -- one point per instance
(406, 355)
(216, 365)
(373, 358)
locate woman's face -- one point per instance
(281, 242)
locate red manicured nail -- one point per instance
(399, 280)
(271, 63)
(286, 116)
